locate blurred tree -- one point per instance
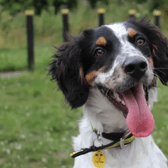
(70, 4)
(94, 2)
(39, 5)
(157, 4)
(140, 1)
(15, 6)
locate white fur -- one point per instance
(105, 117)
(119, 29)
(141, 153)
(126, 50)
(152, 97)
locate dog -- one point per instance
(111, 72)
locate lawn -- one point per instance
(35, 124)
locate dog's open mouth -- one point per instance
(133, 103)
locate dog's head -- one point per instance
(118, 57)
(122, 60)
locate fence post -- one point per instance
(30, 38)
(65, 23)
(157, 15)
(101, 12)
(132, 13)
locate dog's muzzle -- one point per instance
(135, 67)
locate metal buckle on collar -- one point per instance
(122, 145)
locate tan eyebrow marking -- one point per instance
(131, 32)
(101, 41)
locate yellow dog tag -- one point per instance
(99, 159)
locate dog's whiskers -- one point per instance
(160, 68)
(160, 71)
(156, 75)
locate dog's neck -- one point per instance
(104, 116)
(101, 114)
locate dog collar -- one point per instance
(128, 138)
(113, 136)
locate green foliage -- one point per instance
(155, 4)
(36, 125)
(70, 4)
(140, 1)
(48, 27)
(15, 6)
(93, 3)
(39, 5)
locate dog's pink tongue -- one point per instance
(139, 120)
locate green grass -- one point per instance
(16, 59)
(160, 112)
(35, 124)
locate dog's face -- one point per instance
(116, 57)
(122, 58)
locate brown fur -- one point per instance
(92, 75)
(101, 41)
(131, 32)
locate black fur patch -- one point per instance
(76, 58)
(79, 53)
(158, 46)
(65, 69)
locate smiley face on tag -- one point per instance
(99, 159)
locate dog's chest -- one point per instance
(100, 111)
(141, 153)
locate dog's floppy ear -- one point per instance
(68, 72)
(159, 48)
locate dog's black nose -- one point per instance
(135, 67)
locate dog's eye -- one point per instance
(140, 42)
(99, 52)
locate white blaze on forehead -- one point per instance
(121, 33)
(119, 29)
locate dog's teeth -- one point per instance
(123, 102)
(118, 99)
(117, 96)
